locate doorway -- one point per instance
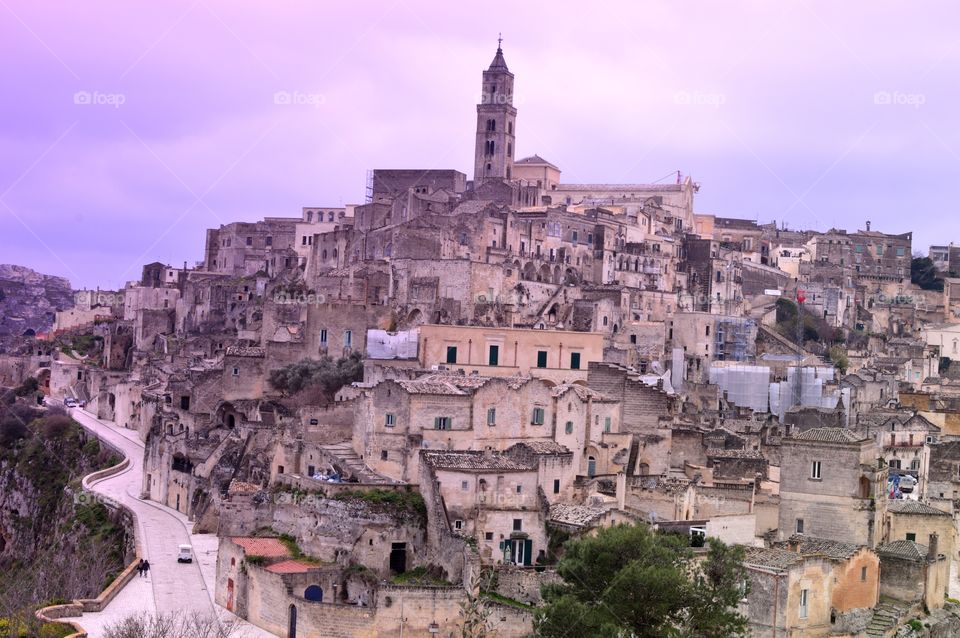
(398, 558)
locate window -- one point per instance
(236, 372)
(541, 358)
(815, 470)
(185, 402)
(269, 241)
(799, 526)
(458, 525)
(911, 536)
(556, 486)
(519, 489)
(863, 574)
(383, 455)
(804, 593)
(606, 424)
(347, 338)
(488, 536)
(464, 485)
(569, 427)
(574, 360)
(494, 357)
(900, 251)
(451, 354)
(537, 416)
(574, 236)
(249, 241)
(311, 470)
(633, 339)
(442, 423)
(517, 524)
(491, 417)
(390, 421)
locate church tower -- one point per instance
(496, 123)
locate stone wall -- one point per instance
(522, 584)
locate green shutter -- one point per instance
(527, 551)
(542, 359)
(451, 354)
(494, 355)
(574, 360)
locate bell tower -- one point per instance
(496, 123)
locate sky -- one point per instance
(128, 128)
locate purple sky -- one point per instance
(772, 107)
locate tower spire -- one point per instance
(499, 41)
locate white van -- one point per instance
(186, 554)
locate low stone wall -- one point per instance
(522, 584)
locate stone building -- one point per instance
(832, 486)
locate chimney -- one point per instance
(868, 226)
(932, 549)
(621, 491)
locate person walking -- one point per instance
(146, 568)
(140, 568)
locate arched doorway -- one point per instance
(292, 628)
(314, 593)
(591, 466)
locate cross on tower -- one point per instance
(499, 40)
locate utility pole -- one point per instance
(800, 299)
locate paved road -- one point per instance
(170, 586)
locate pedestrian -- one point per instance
(140, 568)
(146, 567)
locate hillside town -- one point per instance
(372, 412)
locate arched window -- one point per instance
(604, 321)
(330, 216)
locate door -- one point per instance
(591, 466)
(398, 558)
(229, 594)
(292, 629)
(527, 552)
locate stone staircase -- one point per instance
(342, 456)
(886, 618)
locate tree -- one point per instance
(630, 582)
(176, 625)
(329, 374)
(924, 274)
(838, 355)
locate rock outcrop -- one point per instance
(29, 300)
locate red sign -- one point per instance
(800, 296)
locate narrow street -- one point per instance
(170, 586)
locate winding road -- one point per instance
(170, 586)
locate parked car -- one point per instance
(185, 555)
(907, 483)
(81, 404)
(70, 402)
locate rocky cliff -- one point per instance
(29, 301)
(56, 542)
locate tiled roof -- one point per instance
(907, 550)
(291, 567)
(770, 557)
(242, 487)
(245, 351)
(473, 460)
(455, 384)
(807, 545)
(542, 447)
(909, 506)
(533, 159)
(579, 515)
(583, 393)
(266, 547)
(720, 453)
(829, 435)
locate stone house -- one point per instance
(558, 355)
(832, 486)
(914, 573)
(494, 499)
(912, 521)
(804, 587)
